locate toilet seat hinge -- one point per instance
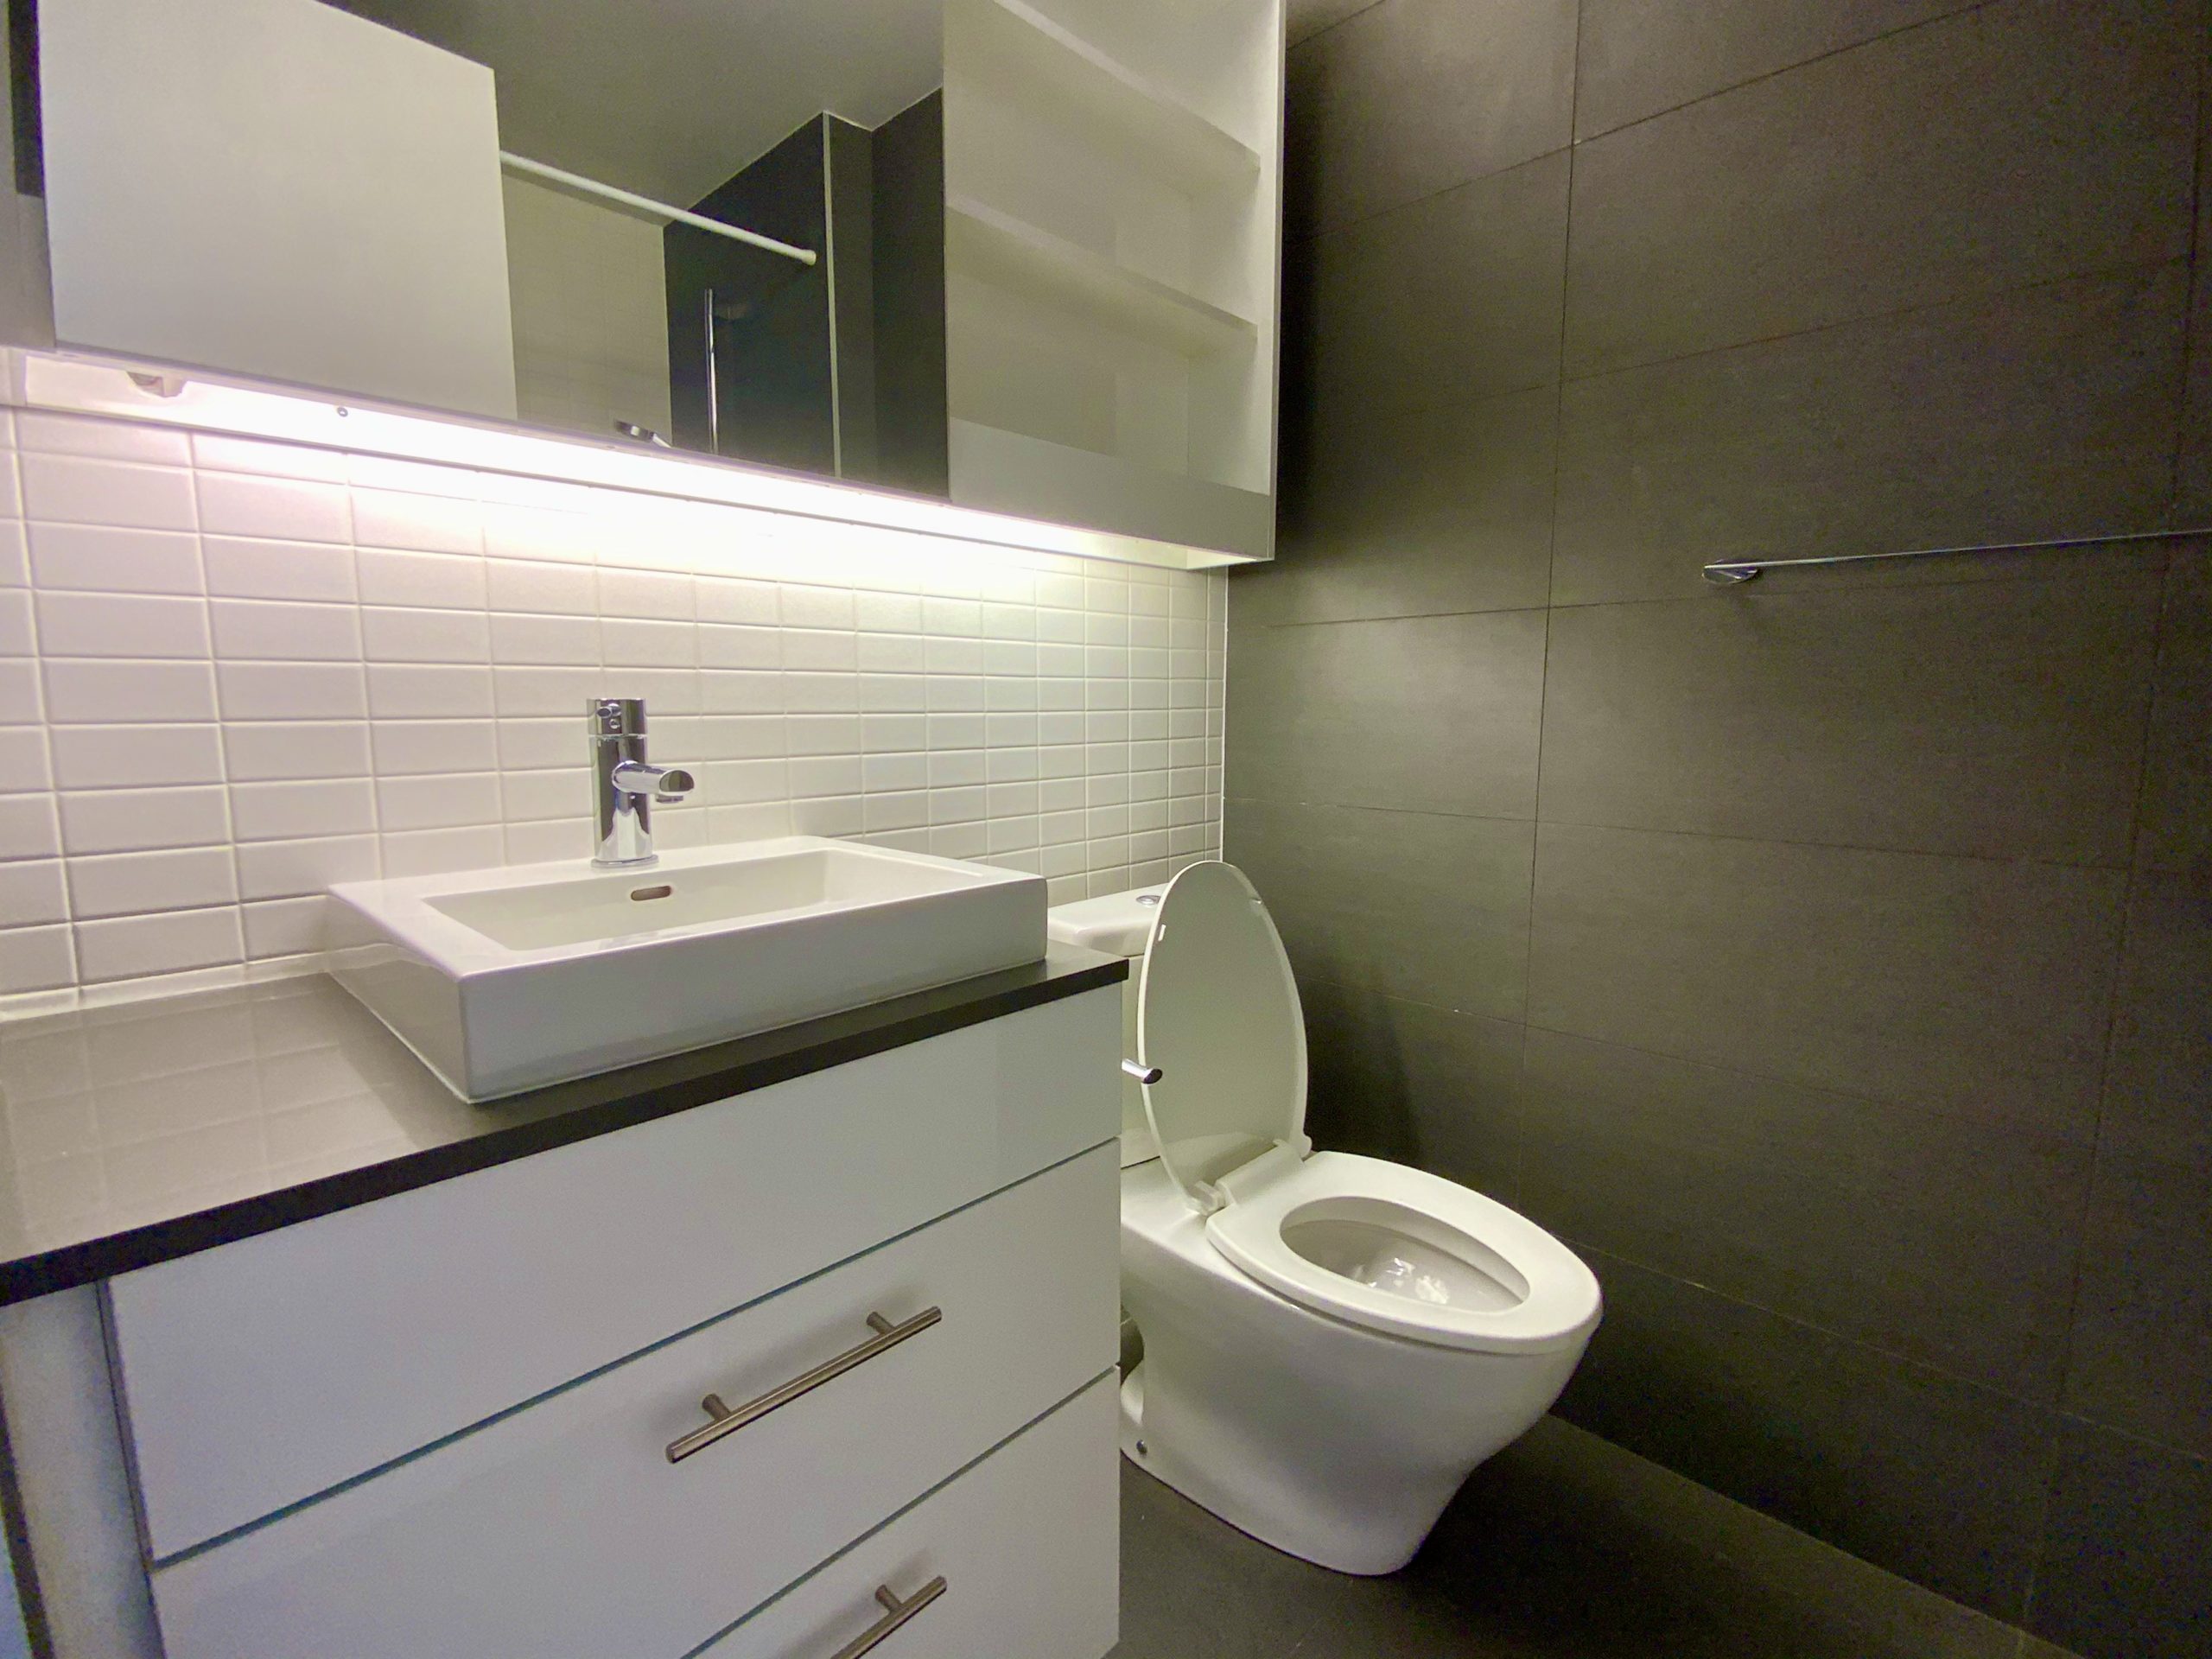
(1279, 1159)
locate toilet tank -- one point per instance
(1118, 924)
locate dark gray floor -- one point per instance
(1544, 1556)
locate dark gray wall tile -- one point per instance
(1411, 97)
(2030, 414)
(1963, 983)
(1929, 1476)
(1639, 57)
(1947, 1243)
(1423, 905)
(1307, 18)
(2193, 472)
(1417, 514)
(1454, 297)
(1415, 1085)
(1572, 1546)
(2142, 1357)
(2127, 1570)
(2174, 829)
(1425, 714)
(2016, 143)
(2003, 720)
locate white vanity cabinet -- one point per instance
(465, 1420)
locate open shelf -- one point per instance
(1009, 253)
(1003, 471)
(1092, 86)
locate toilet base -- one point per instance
(1179, 1476)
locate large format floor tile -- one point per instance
(1559, 1548)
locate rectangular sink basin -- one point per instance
(503, 980)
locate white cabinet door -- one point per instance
(263, 1372)
(1027, 1543)
(564, 1531)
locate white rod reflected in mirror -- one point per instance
(646, 203)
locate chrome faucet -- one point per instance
(624, 787)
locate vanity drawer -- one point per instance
(263, 1372)
(564, 1531)
(1027, 1543)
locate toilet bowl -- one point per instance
(1329, 1343)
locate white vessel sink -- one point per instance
(502, 980)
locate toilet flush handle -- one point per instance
(1141, 1073)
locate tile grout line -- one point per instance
(1949, 13)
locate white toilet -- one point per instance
(1331, 1342)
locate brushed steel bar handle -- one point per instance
(897, 1613)
(727, 1422)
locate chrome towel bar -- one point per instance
(1728, 573)
(727, 1421)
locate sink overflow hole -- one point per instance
(643, 893)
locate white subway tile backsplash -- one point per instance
(134, 947)
(124, 884)
(424, 580)
(429, 690)
(523, 689)
(285, 870)
(633, 642)
(35, 959)
(556, 792)
(283, 927)
(817, 775)
(77, 490)
(438, 802)
(290, 509)
(424, 523)
(24, 761)
(136, 757)
(105, 558)
(424, 636)
(31, 893)
(434, 852)
(424, 746)
(661, 593)
(544, 640)
(548, 589)
(244, 671)
(285, 811)
(239, 568)
(136, 820)
(121, 624)
(256, 629)
(548, 839)
(292, 691)
(17, 638)
(46, 432)
(274, 751)
(30, 826)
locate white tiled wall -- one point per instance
(233, 672)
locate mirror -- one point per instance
(1020, 254)
(816, 127)
(519, 212)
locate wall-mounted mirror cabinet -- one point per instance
(1020, 254)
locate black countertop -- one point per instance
(141, 1132)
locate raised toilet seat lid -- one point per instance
(1362, 1240)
